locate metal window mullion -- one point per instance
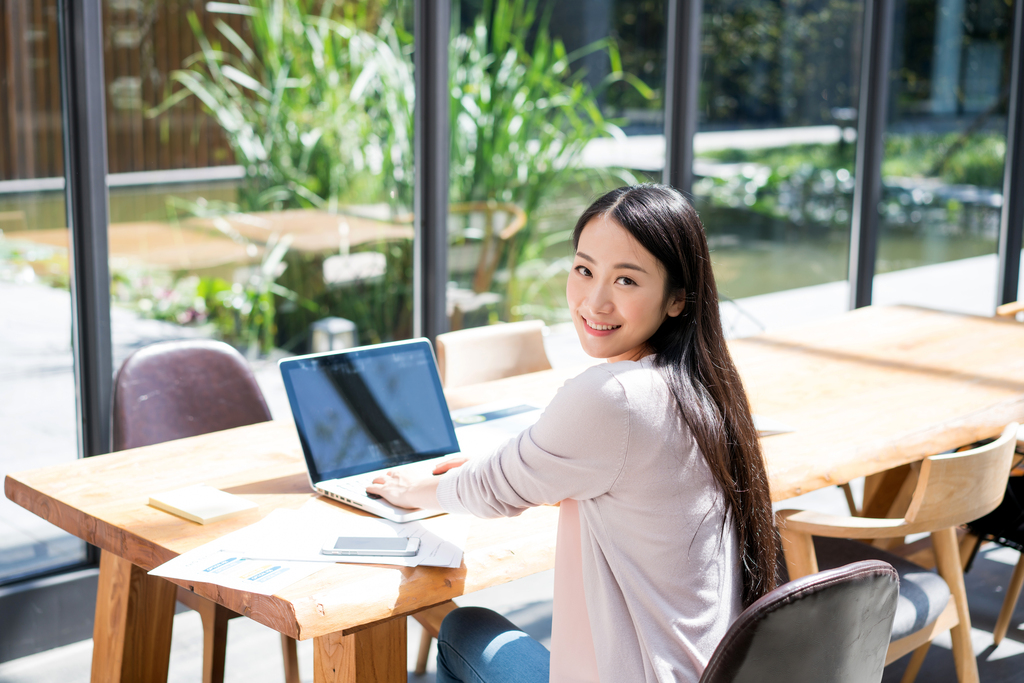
(1011, 222)
(430, 202)
(682, 78)
(876, 54)
(80, 29)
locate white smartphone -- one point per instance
(382, 546)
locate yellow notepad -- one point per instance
(201, 503)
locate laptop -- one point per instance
(361, 412)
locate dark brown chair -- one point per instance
(171, 390)
(829, 627)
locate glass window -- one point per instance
(261, 167)
(552, 105)
(37, 389)
(775, 155)
(944, 153)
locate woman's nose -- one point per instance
(600, 300)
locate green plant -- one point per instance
(520, 119)
(289, 98)
(316, 107)
(976, 160)
(319, 112)
(27, 262)
(806, 185)
(159, 295)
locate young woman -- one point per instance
(665, 528)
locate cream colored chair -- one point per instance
(951, 489)
(481, 354)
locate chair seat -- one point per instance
(923, 593)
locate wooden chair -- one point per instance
(986, 527)
(171, 390)
(1010, 310)
(481, 354)
(951, 490)
(829, 627)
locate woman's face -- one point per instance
(616, 293)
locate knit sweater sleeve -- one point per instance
(575, 450)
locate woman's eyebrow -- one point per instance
(585, 257)
(617, 266)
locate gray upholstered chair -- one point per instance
(829, 627)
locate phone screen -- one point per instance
(395, 544)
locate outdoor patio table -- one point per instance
(864, 392)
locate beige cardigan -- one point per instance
(662, 582)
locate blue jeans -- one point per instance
(476, 645)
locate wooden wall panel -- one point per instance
(51, 105)
(6, 164)
(145, 40)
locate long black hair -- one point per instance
(693, 357)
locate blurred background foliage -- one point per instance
(316, 100)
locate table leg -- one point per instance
(373, 655)
(132, 632)
(291, 659)
(881, 491)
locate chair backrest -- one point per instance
(170, 390)
(481, 354)
(1010, 310)
(956, 488)
(829, 627)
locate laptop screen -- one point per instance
(368, 408)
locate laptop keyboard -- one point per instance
(356, 485)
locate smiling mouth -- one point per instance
(600, 328)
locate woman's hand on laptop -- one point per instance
(407, 489)
(449, 464)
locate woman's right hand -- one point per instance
(449, 464)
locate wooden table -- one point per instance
(870, 390)
(197, 243)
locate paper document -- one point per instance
(298, 535)
(211, 564)
(482, 429)
(284, 547)
(766, 426)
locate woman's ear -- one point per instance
(676, 304)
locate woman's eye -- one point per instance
(626, 281)
(583, 270)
